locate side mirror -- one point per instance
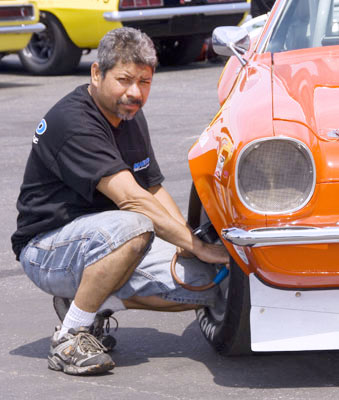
(231, 40)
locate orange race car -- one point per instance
(266, 182)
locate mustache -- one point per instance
(129, 102)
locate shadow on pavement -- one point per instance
(267, 371)
(10, 85)
(12, 66)
(37, 349)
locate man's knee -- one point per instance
(140, 231)
(129, 221)
(122, 226)
(139, 244)
(119, 264)
(129, 253)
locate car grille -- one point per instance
(275, 175)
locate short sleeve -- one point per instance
(154, 175)
(147, 172)
(84, 159)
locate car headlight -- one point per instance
(275, 175)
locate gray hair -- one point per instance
(125, 45)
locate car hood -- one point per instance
(305, 85)
(306, 88)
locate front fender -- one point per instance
(212, 159)
(83, 21)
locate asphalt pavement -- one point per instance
(158, 355)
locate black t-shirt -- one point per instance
(74, 146)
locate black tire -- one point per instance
(179, 50)
(50, 52)
(227, 327)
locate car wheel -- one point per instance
(179, 51)
(226, 327)
(50, 52)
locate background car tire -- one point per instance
(226, 327)
(180, 50)
(50, 52)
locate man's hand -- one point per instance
(212, 253)
(184, 253)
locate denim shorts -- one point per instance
(55, 260)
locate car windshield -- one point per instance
(305, 24)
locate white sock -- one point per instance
(75, 318)
(112, 303)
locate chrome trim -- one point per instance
(15, 29)
(170, 12)
(262, 44)
(263, 140)
(281, 236)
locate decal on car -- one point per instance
(241, 253)
(203, 139)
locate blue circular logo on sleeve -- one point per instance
(41, 127)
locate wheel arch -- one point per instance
(77, 29)
(203, 195)
(50, 14)
(50, 52)
(231, 336)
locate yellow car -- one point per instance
(18, 21)
(178, 28)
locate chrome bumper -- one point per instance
(281, 236)
(22, 29)
(170, 12)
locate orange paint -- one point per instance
(296, 96)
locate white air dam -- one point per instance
(292, 320)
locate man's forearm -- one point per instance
(132, 197)
(166, 226)
(123, 190)
(166, 200)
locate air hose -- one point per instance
(202, 232)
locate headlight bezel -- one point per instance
(301, 147)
